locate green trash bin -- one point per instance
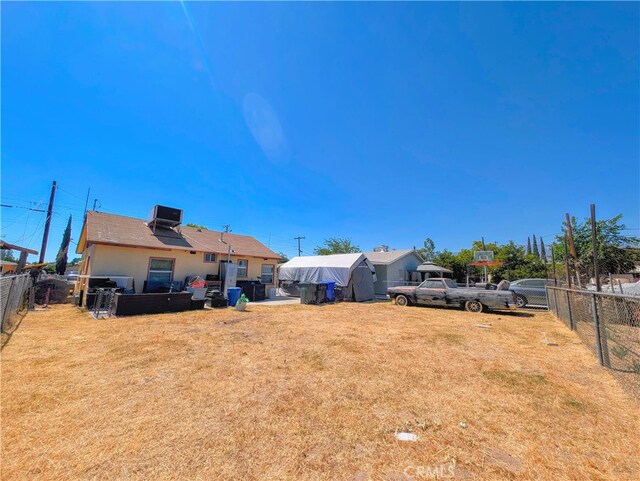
(307, 293)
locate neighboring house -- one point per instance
(8, 266)
(115, 245)
(394, 268)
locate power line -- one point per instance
(19, 207)
(42, 203)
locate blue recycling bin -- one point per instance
(330, 287)
(233, 294)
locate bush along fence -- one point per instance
(14, 297)
(609, 324)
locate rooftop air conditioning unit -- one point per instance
(163, 216)
(382, 248)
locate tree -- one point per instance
(535, 251)
(7, 255)
(543, 252)
(617, 253)
(336, 245)
(61, 258)
(428, 251)
(528, 245)
(196, 226)
(283, 258)
(455, 262)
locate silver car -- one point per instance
(530, 292)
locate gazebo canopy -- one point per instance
(431, 267)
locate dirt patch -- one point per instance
(300, 392)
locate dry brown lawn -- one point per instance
(310, 393)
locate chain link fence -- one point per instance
(14, 296)
(609, 324)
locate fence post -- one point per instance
(6, 305)
(601, 341)
(571, 325)
(555, 302)
(32, 298)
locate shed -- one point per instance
(353, 273)
(394, 268)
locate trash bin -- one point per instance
(233, 294)
(307, 293)
(321, 293)
(330, 290)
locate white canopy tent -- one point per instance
(337, 268)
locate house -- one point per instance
(116, 246)
(353, 274)
(8, 267)
(394, 268)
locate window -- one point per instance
(242, 267)
(433, 285)
(160, 270)
(450, 283)
(266, 276)
(209, 257)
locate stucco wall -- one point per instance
(134, 262)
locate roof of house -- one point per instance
(386, 258)
(118, 230)
(7, 263)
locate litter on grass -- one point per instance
(406, 437)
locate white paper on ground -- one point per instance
(406, 437)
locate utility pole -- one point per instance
(594, 241)
(299, 238)
(574, 254)
(47, 224)
(566, 261)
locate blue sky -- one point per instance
(382, 122)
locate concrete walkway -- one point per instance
(278, 301)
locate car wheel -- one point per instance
(473, 306)
(521, 301)
(402, 301)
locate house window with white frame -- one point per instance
(160, 270)
(209, 257)
(243, 265)
(266, 275)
